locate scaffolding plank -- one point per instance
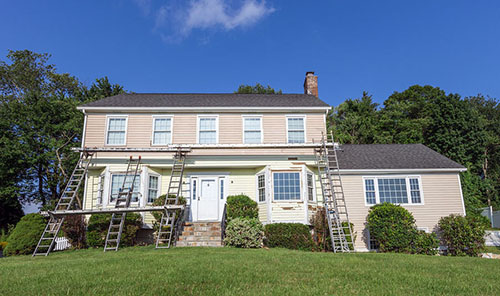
(113, 210)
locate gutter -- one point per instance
(202, 109)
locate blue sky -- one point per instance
(215, 45)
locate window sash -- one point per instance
(286, 186)
(207, 132)
(310, 187)
(162, 131)
(296, 129)
(116, 131)
(404, 190)
(261, 187)
(153, 186)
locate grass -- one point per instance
(492, 249)
(228, 271)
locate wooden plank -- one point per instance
(112, 210)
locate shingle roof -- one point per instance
(392, 156)
(209, 100)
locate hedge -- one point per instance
(244, 233)
(98, 227)
(463, 236)
(25, 236)
(241, 206)
(294, 236)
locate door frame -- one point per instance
(221, 196)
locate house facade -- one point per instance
(261, 146)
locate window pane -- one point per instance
(117, 182)
(153, 188)
(221, 188)
(207, 124)
(194, 189)
(286, 186)
(392, 190)
(296, 137)
(117, 124)
(252, 124)
(252, 137)
(310, 187)
(415, 191)
(295, 123)
(162, 124)
(208, 137)
(116, 138)
(261, 184)
(161, 138)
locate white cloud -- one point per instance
(178, 19)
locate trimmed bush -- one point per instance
(99, 224)
(160, 201)
(25, 236)
(464, 236)
(392, 227)
(321, 233)
(295, 236)
(241, 206)
(74, 229)
(425, 243)
(244, 233)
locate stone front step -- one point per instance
(200, 234)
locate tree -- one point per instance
(40, 120)
(256, 89)
(355, 121)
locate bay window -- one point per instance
(286, 186)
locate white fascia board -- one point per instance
(204, 109)
(399, 171)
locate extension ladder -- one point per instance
(123, 200)
(66, 202)
(333, 196)
(167, 222)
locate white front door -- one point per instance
(208, 203)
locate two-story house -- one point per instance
(259, 145)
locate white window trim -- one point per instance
(243, 117)
(171, 139)
(146, 191)
(301, 191)
(305, 125)
(110, 184)
(407, 181)
(216, 128)
(263, 173)
(108, 117)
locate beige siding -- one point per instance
(441, 198)
(139, 129)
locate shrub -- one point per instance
(74, 229)
(244, 233)
(241, 206)
(99, 224)
(321, 233)
(392, 227)
(25, 236)
(294, 236)
(462, 235)
(425, 243)
(160, 201)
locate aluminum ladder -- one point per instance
(167, 222)
(123, 200)
(66, 202)
(333, 196)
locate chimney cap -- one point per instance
(309, 73)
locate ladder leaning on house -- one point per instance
(66, 202)
(123, 200)
(167, 222)
(333, 196)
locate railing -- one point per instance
(223, 224)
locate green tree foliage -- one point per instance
(39, 124)
(256, 89)
(11, 212)
(25, 236)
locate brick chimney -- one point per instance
(311, 84)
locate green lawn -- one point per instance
(227, 271)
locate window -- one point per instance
(400, 190)
(153, 188)
(296, 131)
(162, 131)
(252, 130)
(194, 189)
(261, 187)
(310, 187)
(370, 191)
(116, 132)
(100, 189)
(221, 181)
(117, 182)
(286, 186)
(207, 130)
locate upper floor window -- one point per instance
(207, 129)
(400, 190)
(116, 131)
(162, 130)
(286, 186)
(252, 130)
(296, 129)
